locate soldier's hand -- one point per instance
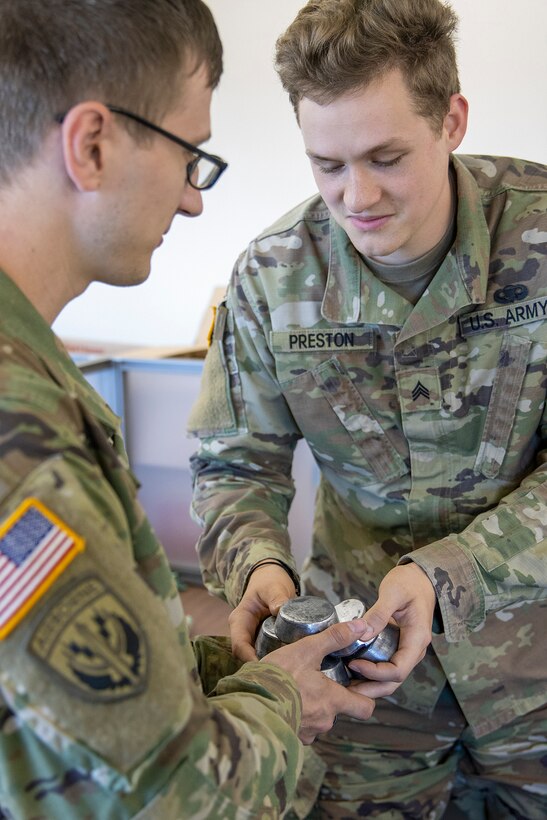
(268, 588)
(322, 698)
(406, 595)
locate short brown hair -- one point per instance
(56, 53)
(336, 46)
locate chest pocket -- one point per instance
(340, 427)
(503, 405)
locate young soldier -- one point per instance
(102, 700)
(397, 322)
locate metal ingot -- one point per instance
(350, 610)
(266, 639)
(303, 616)
(335, 669)
(381, 648)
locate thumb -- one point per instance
(378, 617)
(278, 597)
(341, 635)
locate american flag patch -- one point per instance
(35, 548)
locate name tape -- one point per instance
(335, 338)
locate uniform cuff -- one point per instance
(457, 583)
(269, 682)
(248, 556)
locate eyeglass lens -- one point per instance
(202, 173)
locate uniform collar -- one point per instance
(353, 295)
(20, 321)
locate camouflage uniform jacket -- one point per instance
(102, 709)
(426, 422)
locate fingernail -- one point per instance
(360, 627)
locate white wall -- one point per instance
(503, 68)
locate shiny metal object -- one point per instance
(266, 638)
(335, 669)
(308, 615)
(381, 648)
(303, 616)
(350, 610)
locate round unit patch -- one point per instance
(90, 639)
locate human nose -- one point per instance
(361, 191)
(191, 202)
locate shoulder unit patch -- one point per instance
(91, 640)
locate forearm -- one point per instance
(257, 711)
(244, 519)
(497, 560)
(243, 486)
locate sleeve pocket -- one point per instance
(214, 413)
(503, 405)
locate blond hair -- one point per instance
(337, 46)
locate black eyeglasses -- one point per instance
(202, 172)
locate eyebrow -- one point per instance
(395, 144)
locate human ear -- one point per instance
(455, 122)
(85, 131)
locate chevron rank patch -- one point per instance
(92, 642)
(35, 548)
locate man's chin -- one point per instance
(126, 279)
(385, 250)
(380, 251)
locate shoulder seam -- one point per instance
(317, 214)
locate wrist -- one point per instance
(275, 562)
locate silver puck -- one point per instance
(350, 610)
(303, 616)
(335, 669)
(266, 638)
(381, 648)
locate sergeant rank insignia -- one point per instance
(93, 642)
(420, 391)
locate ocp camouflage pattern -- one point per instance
(102, 706)
(427, 423)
